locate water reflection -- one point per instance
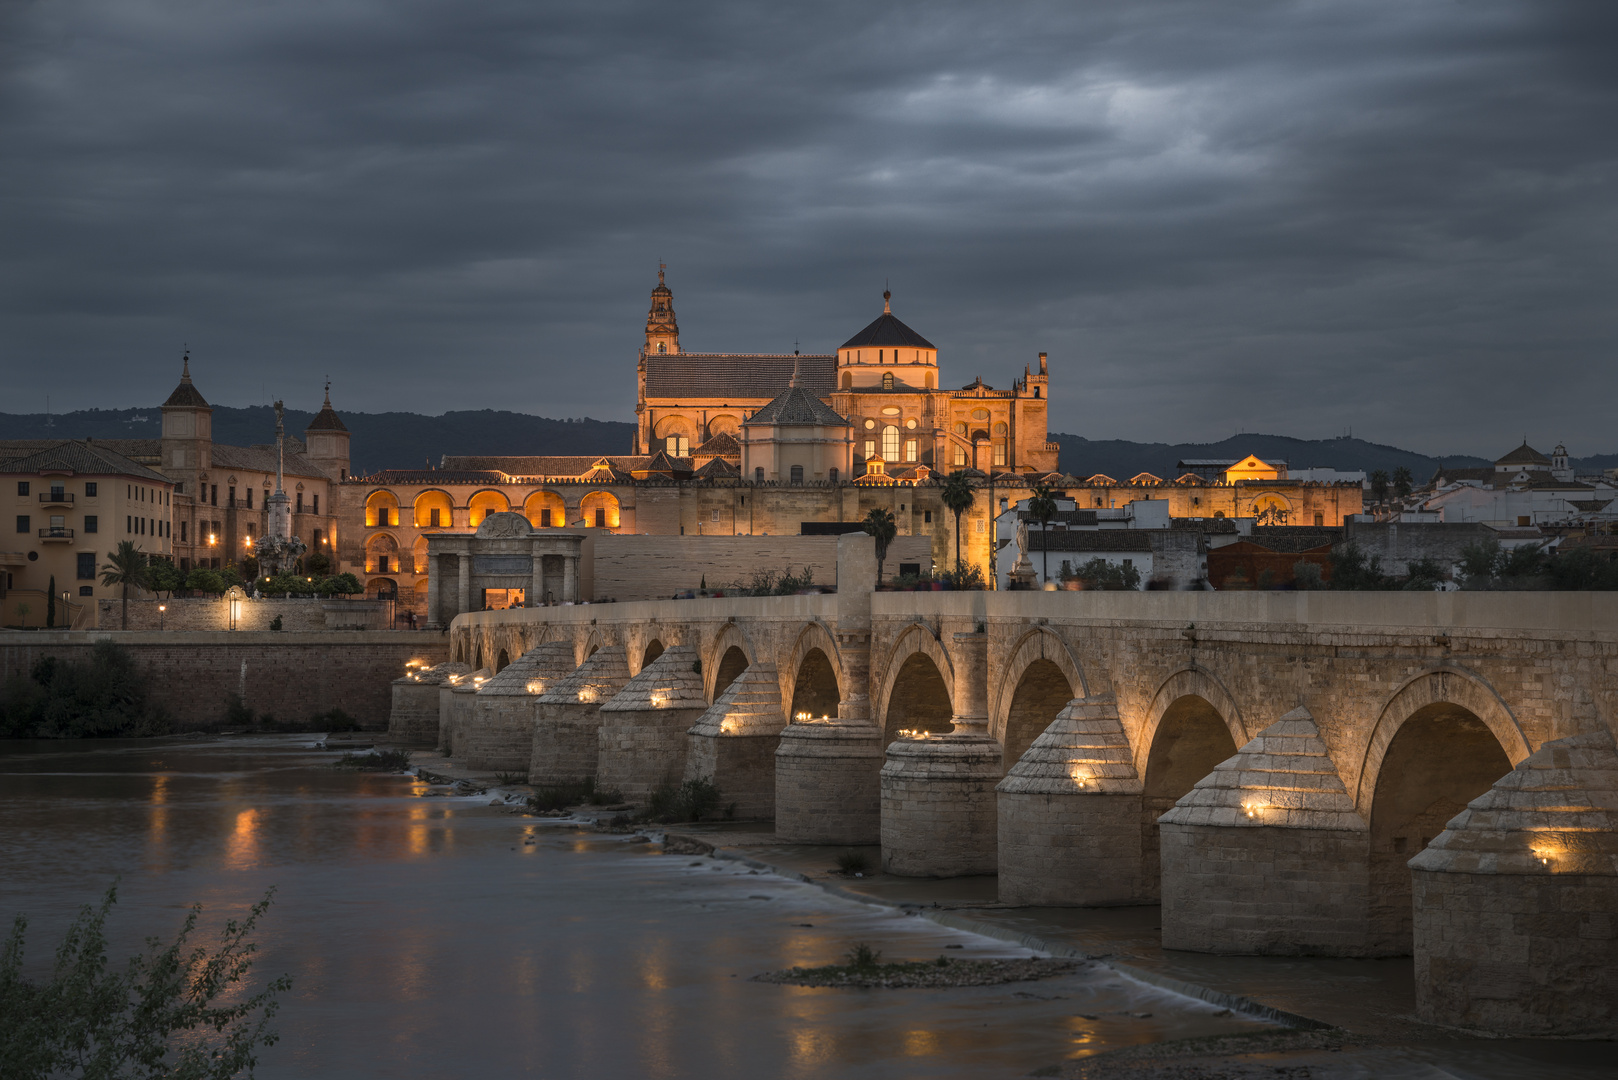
(424, 935)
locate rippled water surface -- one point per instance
(426, 938)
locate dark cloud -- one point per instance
(1215, 215)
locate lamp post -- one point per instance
(161, 608)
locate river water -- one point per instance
(427, 937)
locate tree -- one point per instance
(165, 577)
(1043, 507)
(203, 580)
(880, 524)
(957, 497)
(1479, 560)
(128, 568)
(1379, 485)
(1402, 481)
(159, 1016)
(50, 604)
(1352, 569)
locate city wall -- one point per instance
(292, 676)
(297, 614)
(639, 567)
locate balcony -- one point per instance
(56, 498)
(55, 533)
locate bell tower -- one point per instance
(662, 331)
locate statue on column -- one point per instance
(277, 549)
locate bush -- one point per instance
(158, 1016)
(102, 697)
(691, 800)
(1098, 573)
(854, 862)
(968, 577)
(774, 583)
(205, 581)
(562, 796)
(863, 956)
(375, 761)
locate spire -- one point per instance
(328, 392)
(887, 305)
(185, 366)
(661, 266)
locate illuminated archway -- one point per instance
(545, 510)
(382, 554)
(814, 687)
(1189, 737)
(418, 554)
(381, 508)
(484, 503)
(434, 510)
(599, 510)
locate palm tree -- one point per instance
(880, 524)
(958, 496)
(1043, 507)
(1379, 485)
(1403, 481)
(50, 604)
(126, 567)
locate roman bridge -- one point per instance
(1264, 764)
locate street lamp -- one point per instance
(161, 608)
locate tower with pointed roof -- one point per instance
(662, 330)
(187, 443)
(325, 441)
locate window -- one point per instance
(758, 475)
(91, 523)
(129, 524)
(832, 475)
(1196, 501)
(250, 498)
(879, 354)
(661, 349)
(90, 490)
(1100, 501)
(927, 517)
(87, 565)
(716, 515)
(601, 517)
(1320, 519)
(300, 503)
(870, 448)
(24, 523)
(87, 590)
(215, 500)
(22, 487)
(960, 455)
(848, 380)
(316, 508)
(981, 526)
(382, 564)
(1000, 453)
(677, 446)
(231, 495)
(887, 380)
(433, 520)
(910, 449)
(797, 478)
(182, 532)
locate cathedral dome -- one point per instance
(889, 355)
(887, 330)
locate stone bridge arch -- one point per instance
(645, 642)
(585, 645)
(1444, 738)
(812, 673)
(1040, 669)
(730, 654)
(918, 684)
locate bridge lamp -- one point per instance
(587, 694)
(1253, 809)
(660, 698)
(536, 686)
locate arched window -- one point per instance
(887, 380)
(848, 380)
(890, 443)
(797, 474)
(662, 349)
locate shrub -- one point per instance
(158, 1016)
(691, 800)
(853, 862)
(1098, 573)
(205, 581)
(375, 761)
(562, 796)
(102, 697)
(968, 577)
(863, 956)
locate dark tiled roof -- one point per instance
(1482, 475)
(261, 458)
(326, 419)
(735, 376)
(718, 469)
(186, 394)
(1524, 455)
(428, 476)
(662, 462)
(571, 465)
(1295, 538)
(887, 330)
(85, 458)
(723, 444)
(798, 405)
(1090, 540)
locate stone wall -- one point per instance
(636, 567)
(301, 615)
(1399, 543)
(290, 676)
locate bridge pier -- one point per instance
(828, 783)
(642, 739)
(1267, 855)
(734, 742)
(1516, 901)
(455, 708)
(413, 719)
(938, 791)
(1069, 814)
(500, 733)
(567, 727)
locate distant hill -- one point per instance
(394, 440)
(1121, 459)
(400, 440)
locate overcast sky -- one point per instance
(1215, 215)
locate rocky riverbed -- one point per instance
(941, 974)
